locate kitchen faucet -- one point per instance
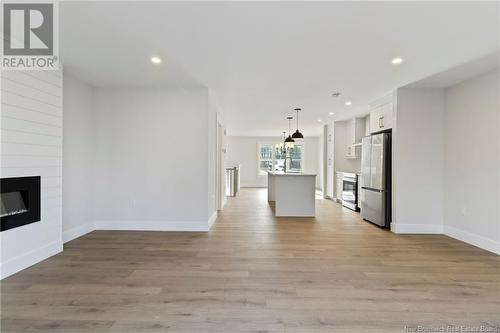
(284, 165)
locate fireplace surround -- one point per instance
(19, 201)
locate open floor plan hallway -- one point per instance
(253, 272)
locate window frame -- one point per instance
(301, 144)
(273, 144)
(261, 172)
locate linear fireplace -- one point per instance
(19, 201)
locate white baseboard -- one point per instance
(212, 220)
(403, 228)
(30, 258)
(152, 225)
(79, 231)
(473, 239)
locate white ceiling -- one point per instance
(459, 73)
(262, 59)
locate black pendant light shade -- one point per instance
(297, 134)
(289, 139)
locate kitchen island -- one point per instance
(293, 193)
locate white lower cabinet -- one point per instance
(339, 186)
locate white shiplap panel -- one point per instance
(49, 77)
(52, 76)
(21, 101)
(12, 161)
(51, 203)
(51, 192)
(31, 92)
(31, 115)
(26, 172)
(13, 136)
(29, 126)
(51, 215)
(52, 182)
(44, 83)
(31, 145)
(32, 87)
(20, 149)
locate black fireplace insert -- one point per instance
(19, 201)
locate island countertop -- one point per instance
(281, 173)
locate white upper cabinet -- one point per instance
(381, 114)
(367, 125)
(354, 132)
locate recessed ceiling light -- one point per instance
(319, 120)
(332, 113)
(397, 61)
(156, 60)
(348, 103)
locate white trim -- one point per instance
(473, 239)
(403, 228)
(152, 225)
(70, 234)
(461, 235)
(212, 220)
(253, 185)
(26, 260)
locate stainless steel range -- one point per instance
(350, 190)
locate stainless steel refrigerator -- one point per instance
(375, 193)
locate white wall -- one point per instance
(215, 172)
(78, 148)
(151, 159)
(244, 150)
(446, 151)
(329, 163)
(211, 156)
(321, 163)
(343, 164)
(418, 165)
(472, 209)
(31, 145)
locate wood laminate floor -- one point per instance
(256, 273)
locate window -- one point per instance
(272, 158)
(265, 157)
(296, 158)
(279, 159)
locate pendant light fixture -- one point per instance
(280, 147)
(297, 134)
(289, 138)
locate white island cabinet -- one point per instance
(293, 193)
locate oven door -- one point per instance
(350, 193)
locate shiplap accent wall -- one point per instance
(31, 145)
